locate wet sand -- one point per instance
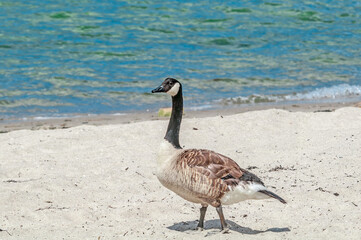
(103, 119)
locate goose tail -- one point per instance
(273, 195)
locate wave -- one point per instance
(337, 92)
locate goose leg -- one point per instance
(201, 218)
(225, 228)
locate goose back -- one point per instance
(203, 176)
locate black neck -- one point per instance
(172, 134)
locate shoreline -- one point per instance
(104, 119)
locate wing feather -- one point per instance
(212, 174)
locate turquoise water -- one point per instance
(90, 57)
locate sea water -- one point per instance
(61, 58)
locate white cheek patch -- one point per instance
(174, 90)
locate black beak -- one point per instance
(158, 89)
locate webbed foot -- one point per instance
(225, 230)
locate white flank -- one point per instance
(174, 90)
(244, 192)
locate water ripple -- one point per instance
(61, 58)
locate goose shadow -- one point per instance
(214, 224)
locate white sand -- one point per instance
(98, 182)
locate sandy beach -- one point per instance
(97, 182)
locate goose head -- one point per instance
(170, 86)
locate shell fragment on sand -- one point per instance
(164, 112)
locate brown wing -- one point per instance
(212, 174)
(211, 164)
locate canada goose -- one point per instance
(202, 176)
